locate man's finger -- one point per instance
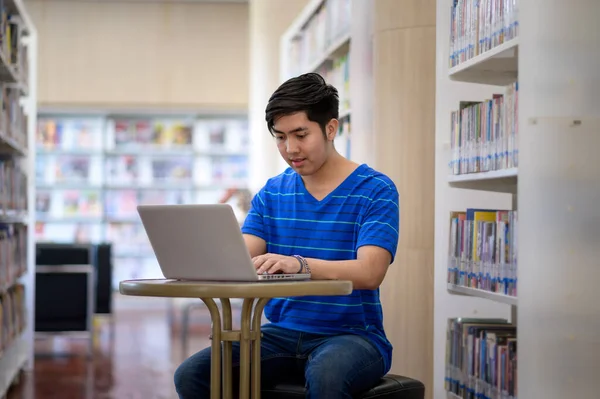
(273, 268)
(258, 261)
(265, 265)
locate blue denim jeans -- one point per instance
(331, 367)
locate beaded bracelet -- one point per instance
(303, 264)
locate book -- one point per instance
(479, 26)
(484, 135)
(482, 250)
(481, 358)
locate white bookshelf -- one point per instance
(339, 47)
(18, 71)
(341, 54)
(556, 186)
(474, 83)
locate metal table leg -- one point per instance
(258, 311)
(245, 339)
(248, 335)
(215, 359)
(227, 326)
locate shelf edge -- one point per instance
(477, 293)
(463, 66)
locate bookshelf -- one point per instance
(93, 170)
(17, 122)
(477, 181)
(536, 326)
(334, 39)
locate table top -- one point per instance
(210, 289)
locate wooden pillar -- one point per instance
(404, 144)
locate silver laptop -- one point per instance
(201, 242)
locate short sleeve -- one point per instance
(380, 226)
(253, 223)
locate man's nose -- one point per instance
(291, 145)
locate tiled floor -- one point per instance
(138, 363)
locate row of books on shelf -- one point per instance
(330, 22)
(141, 134)
(139, 170)
(483, 250)
(19, 57)
(10, 38)
(338, 75)
(13, 253)
(90, 205)
(484, 135)
(481, 358)
(13, 120)
(13, 186)
(122, 204)
(68, 232)
(13, 314)
(68, 203)
(479, 26)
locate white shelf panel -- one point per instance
(12, 360)
(338, 47)
(457, 289)
(504, 180)
(498, 66)
(452, 395)
(302, 19)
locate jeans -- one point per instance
(339, 366)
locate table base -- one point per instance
(249, 334)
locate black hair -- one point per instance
(309, 93)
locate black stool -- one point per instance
(390, 387)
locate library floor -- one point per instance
(138, 362)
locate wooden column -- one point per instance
(404, 145)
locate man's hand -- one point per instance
(274, 263)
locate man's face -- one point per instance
(301, 142)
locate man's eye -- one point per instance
(301, 136)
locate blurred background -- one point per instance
(108, 104)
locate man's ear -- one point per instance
(332, 129)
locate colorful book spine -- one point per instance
(481, 359)
(482, 250)
(484, 135)
(477, 26)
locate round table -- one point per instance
(222, 330)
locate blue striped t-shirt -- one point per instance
(363, 210)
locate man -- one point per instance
(334, 219)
